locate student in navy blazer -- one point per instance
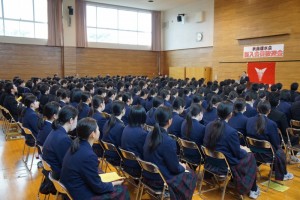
(30, 118)
(98, 105)
(133, 138)
(284, 105)
(211, 112)
(9, 101)
(83, 107)
(238, 121)
(80, 167)
(192, 130)
(221, 137)
(149, 101)
(58, 141)
(157, 101)
(64, 97)
(178, 107)
(250, 111)
(50, 112)
(111, 95)
(127, 99)
(113, 128)
(160, 149)
(262, 128)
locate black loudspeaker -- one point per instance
(70, 10)
(179, 18)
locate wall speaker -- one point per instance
(179, 18)
(71, 10)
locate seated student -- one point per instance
(165, 94)
(30, 118)
(75, 97)
(64, 97)
(9, 100)
(238, 121)
(136, 91)
(127, 99)
(113, 128)
(178, 107)
(149, 102)
(284, 105)
(111, 95)
(293, 91)
(58, 142)
(44, 89)
(192, 130)
(50, 112)
(211, 112)
(160, 149)
(250, 111)
(79, 172)
(83, 107)
(143, 97)
(187, 97)
(157, 101)
(262, 128)
(133, 138)
(219, 136)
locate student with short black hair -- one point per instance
(127, 99)
(80, 167)
(211, 112)
(293, 91)
(157, 102)
(9, 100)
(178, 108)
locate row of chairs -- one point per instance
(9, 126)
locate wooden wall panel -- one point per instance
(177, 72)
(92, 62)
(198, 72)
(69, 60)
(27, 61)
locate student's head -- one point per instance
(10, 88)
(178, 104)
(285, 95)
(195, 112)
(87, 130)
(224, 110)
(86, 97)
(137, 116)
(31, 102)
(163, 116)
(67, 117)
(239, 106)
(98, 103)
(51, 110)
(157, 101)
(118, 108)
(264, 107)
(165, 94)
(274, 98)
(127, 98)
(294, 86)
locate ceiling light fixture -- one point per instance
(150, 1)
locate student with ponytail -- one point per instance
(110, 97)
(262, 128)
(219, 136)
(80, 167)
(127, 99)
(83, 107)
(238, 121)
(160, 149)
(192, 130)
(157, 102)
(178, 108)
(211, 112)
(113, 128)
(58, 141)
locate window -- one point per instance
(24, 18)
(118, 26)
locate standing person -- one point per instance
(160, 149)
(58, 141)
(244, 78)
(262, 128)
(80, 167)
(219, 136)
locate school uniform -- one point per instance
(133, 139)
(125, 118)
(30, 120)
(80, 174)
(44, 132)
(142, 102)
(74, 104)
(188, 101)
(238, 121)
(107, 108)
(135, 99)
(209, 116)
(196, 135)
(150, 120)
(168, 104)
(149, 103)
(295, 110)
(101, 120)
(285, 107)
(11, 104)
(250, 111)
(175, 127)
(55, 148)
(84, 112)
(62, 103)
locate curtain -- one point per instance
(156, 30)
(55, 26)
(81, 38)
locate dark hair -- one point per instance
(239, 105)
(274, 98)
(116, 110)
(64, 115)
(157, 101)
(162, 116)
(96, 102)
(285, 95)
(30, 98)
(263, 108)
(84, 97)
(50, 109)
(214, 100)
(88, 87)
(84, 129)
(294, 86)
(217, 127)
(177, 103)
(197, 98)
(279, 86)
(8, 87)
(137, 116)
(195, 109)
(44, 88)
(126, 96)
(76, 95)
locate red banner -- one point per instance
(261, 72)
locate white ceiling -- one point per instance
(144, 4)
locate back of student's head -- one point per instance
(274, 98)
(137, 116)
(65, 115)
(29, 100)
(126, 97)
(294, 86)
(263, 109)
(76, 95)
(157, 101)
(8, 87)
(178, 103)
(285, 95)
(279, 86)
(51, 109)
(215, 99)
(44, 88)
(274, 88)
(84, 128)
(97, 101)
(117, 107)
(239, 105)
(194, 111)
(197, 98)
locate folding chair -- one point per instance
(130, 156)
(292, 132)
(295, 123)
(10, 127)
(219, 159)
(59, 187)
(25, 160)
(242, 139)
(177, 144)
(153, 169)
(259, 148)
(112, 148)
(47, 168)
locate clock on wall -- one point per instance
(199, 36)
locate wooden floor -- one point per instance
(16, 182)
